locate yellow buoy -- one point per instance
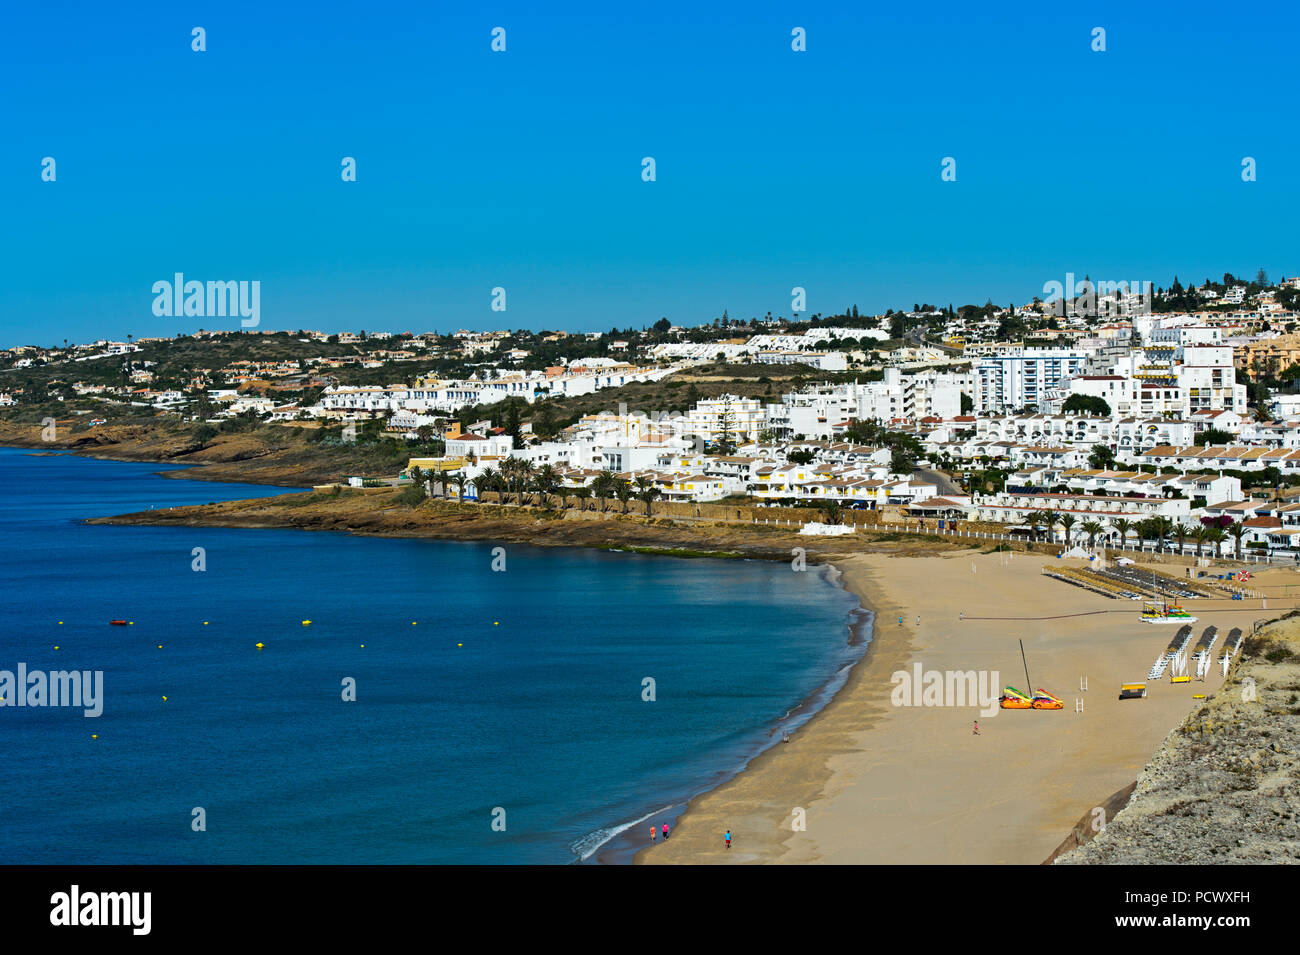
(160, 646)
(94, 736)
(56, 648)
(363, 646)
(413, 623)
(133, 623)
(460, 644)
(164, 699)
(496, 623)
(259, 646)
(306, 623)
(205, 623)
(60, 623)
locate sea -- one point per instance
(413, 701)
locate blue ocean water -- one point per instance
(480, 695)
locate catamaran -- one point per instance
(1165, 613)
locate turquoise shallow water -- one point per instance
(539, 716)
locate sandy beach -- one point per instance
(880, 783)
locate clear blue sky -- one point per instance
(523, 169)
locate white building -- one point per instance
(742, 419)
(1026, 377)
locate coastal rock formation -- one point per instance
(1225, 786)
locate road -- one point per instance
(942, 483)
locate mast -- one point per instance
(1028, 683)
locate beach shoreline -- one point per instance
(876, 783)
(627, 846)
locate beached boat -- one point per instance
(1153, 613)
(1013, 699)
(1046, 701)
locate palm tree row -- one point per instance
(1157, 529)
(522, 479)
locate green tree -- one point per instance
(832, 513)
(1067, 524)
(1213, 437)
(1237, 530)
(602, 486)
(545, 481)
(1086, 404)
(1101, 458)
(646, 491)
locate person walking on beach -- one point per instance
(900, 619)
(653, 830)
(976, 731)
(665, 832)
(727, 836)
(918, 619)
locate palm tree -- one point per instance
(545, 481)
(563, 490)
(1067, 524)
(1092, 529)
(1050, 520)
(524, 471)
(831, 512)
(602, 486)
(646, 491)
(1123, 525)
(505, 477)
(487, 481)
(1238, 530)
(1215, 536)
(1181, 533)
(1200, 534)
(1161, 529)
(460, 481)
(417, 476)
(582, 494)
(623, 491)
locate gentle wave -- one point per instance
(588, 845)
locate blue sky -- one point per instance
(522, 169)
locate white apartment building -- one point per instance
(1165, 380)
(1026, 377)
(742, 418)
(823, 410)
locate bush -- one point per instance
(411, 495)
